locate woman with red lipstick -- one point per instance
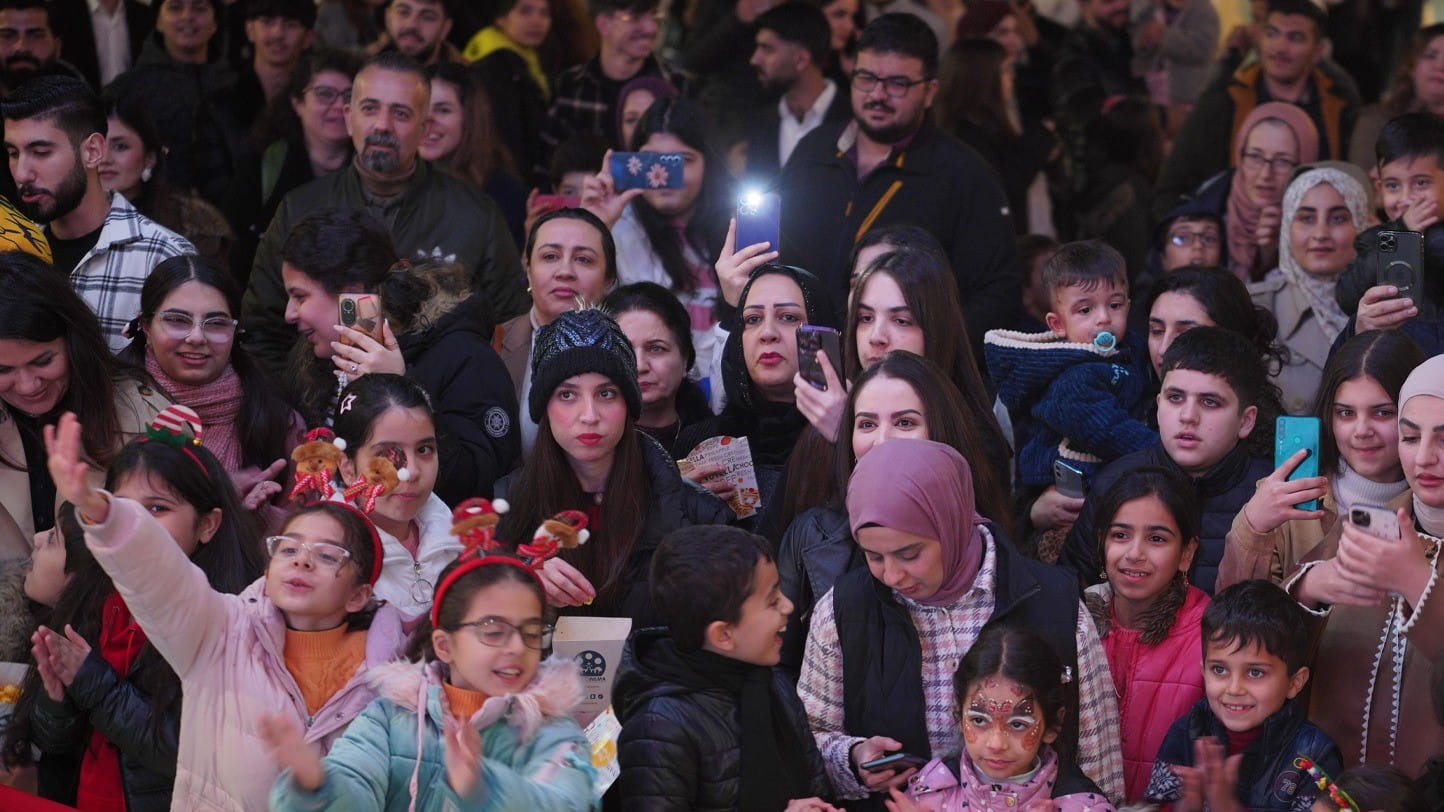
(53, 360)
(660, 331)
(1323, 210)
(1380, 601)
(185, 339)
(590, 457)
(571, 262)
(1358, 413)
(301, 640)
(380, 414)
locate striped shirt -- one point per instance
(946, 633)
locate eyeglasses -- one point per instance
(325, 556)
(328, 96)
(629, 17)
(1186, 239)
(179, 326)
(1256, 161)
(896, 86)
(495, 632)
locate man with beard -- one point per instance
(28, 45)
(279, 32)
(427, 210)
(793, 43)
(55, 137)
(418, 28)
(584, 97)
(1291, 46)
(1094, 62)
(890, 164)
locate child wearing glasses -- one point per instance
(478, 723)
(299, 642)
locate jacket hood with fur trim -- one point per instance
(554, 693)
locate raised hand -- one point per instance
(1392, 565)
(288, 747)
(1273, 501)
(1266, 231)
(1219, 775)
(70, 471)
(1422, 213)
(1382, 308)
(463, 756)
(255, 485)
(823, 408)
(54, 688)
(565, 585)
(1323, 584)
(600, 195)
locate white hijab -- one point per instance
(1319, 293)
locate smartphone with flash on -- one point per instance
(759, 219)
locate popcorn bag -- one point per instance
(596, 644)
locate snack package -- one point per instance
(734, 454)
(602, 734)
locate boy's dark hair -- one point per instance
(1224, 353)
(1412, 135)
(1032, 246)
(600, 7)
(340, 247)
(1303, 8)
(800, 23)
(302, 11)
(397, 62)
(1380, 786)
(1086, 264)
(69, 102)
(30, 5)
(1258, 612)
(704, 574)
(582, 152)
(906, 34)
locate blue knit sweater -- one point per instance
(1068, 400)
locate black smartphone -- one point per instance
(759, 218)
(1069, 480)
(894, 761)
(1400, 262)
(810, 339)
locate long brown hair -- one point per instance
(1402, 95)
(547, 484)
(971, 85)
(481, 151)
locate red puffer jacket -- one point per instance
(1155, 684)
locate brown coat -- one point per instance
(1343, 665)
(513, 344)
(1249, 554)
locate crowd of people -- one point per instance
(1071, 439)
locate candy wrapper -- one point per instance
(602, 734)
(734, 454)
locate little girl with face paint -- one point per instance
(1014, 700)
(494, 731)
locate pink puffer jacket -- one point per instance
(227, 650)
(1155, 684)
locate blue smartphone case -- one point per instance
(646, 170)
(759, 219)
(1290, 435)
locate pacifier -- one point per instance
(1105, 341)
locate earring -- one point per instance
(145, 175)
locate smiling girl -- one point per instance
(302, 638)
(479, 722)
(1148, 616)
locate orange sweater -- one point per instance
(323, 662)
(462, 703)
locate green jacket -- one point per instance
(534, 757)
(435, 212)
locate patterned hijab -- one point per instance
(1319, 292)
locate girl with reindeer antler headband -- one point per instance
(475, 720)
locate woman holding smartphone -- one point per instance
(1378, 593)
(1358, 413)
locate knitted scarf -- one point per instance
(1352, 488)
(218, 403)
(1319, 291)
(773, 767)
(1245, 255)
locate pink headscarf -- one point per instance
(1243, 213)
(925, 489)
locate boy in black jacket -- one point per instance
(708, 722)
(1246, 743)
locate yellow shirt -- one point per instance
(491, 39)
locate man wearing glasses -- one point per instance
(1290, 48)
(584, 97)
(890, 164)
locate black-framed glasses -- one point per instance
(328, 96)
(895, 86)
(179, 325)
(324, 556)
(495, 632)
(1256, 161)
(1185, 239)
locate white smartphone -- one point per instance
(1376, 521)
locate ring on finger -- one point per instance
(354, 367)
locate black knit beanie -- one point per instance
(578, 342)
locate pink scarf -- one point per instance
(1246, 258)
(218, 403)
(925, 489)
